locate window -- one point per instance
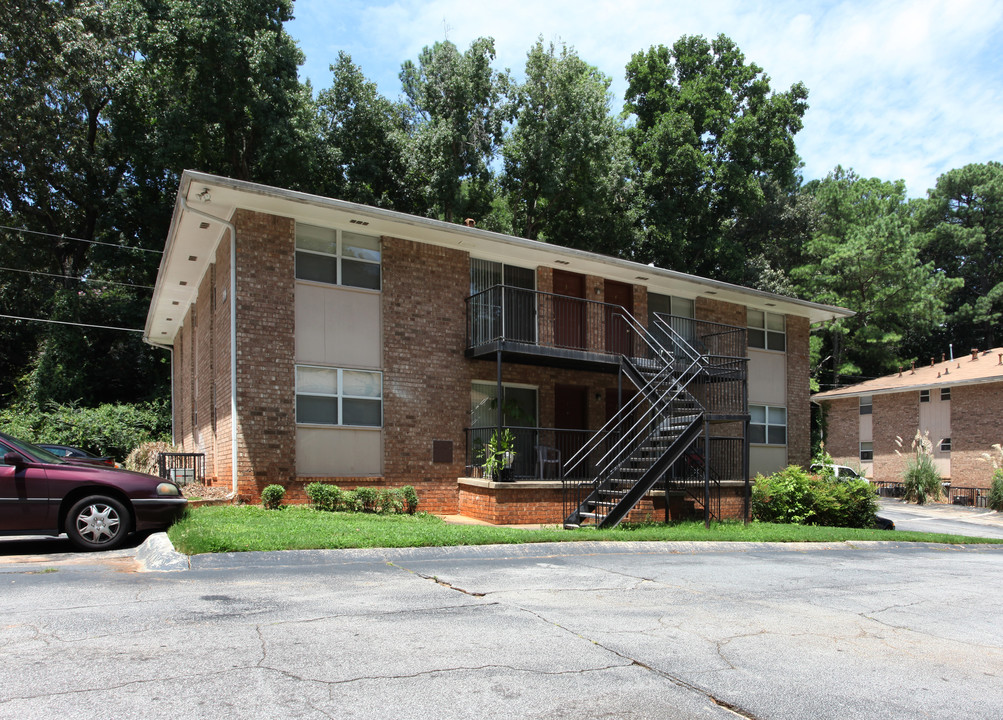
(337, 257)
(334, 396)
(945, 393)
(768, 425)
(519, 405)
(924, 396)
(866, 406)
(866, 452)
(945, 445)
(766, 330)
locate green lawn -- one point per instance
(246, 528)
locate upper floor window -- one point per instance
(945, 393)
(768, 425)
(766, 330)
(866, 406)
(924, 396)
(338, 257)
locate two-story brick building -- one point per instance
(313, 338)
(957, 402)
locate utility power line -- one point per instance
(67, 237)
(74, 324)
(80, 279)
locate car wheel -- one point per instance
(97, 523)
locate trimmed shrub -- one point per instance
(389, 501)
(794, 496)
(271, 497)
(366, 497)
(410, 499)
(325, 497)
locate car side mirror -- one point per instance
(13, 458)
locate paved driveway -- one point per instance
(664, 630)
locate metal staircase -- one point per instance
(651, 432)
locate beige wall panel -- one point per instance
(935, 418)
(338, 452)
(766, 460)
(767, 377)
(866, 428)
(339, 327)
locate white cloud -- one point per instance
(898, 89)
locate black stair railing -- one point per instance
(646, 436)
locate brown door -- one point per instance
(569, 310)
(618, 295)
(571, 418)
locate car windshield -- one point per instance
(34, 451)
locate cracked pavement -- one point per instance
(585, 630)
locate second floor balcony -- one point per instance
(550, 329)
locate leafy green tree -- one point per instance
(709, 133)
(566, 157)
(866, 256)
(365, 136)
(964, 219)
(457, 112)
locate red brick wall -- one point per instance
(798, 409)
(265, 351)
(720, 312)
(895, 415)
(842, 437)
(975, 427)
(426, 380)
(223, 461)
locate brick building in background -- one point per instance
(315, 339)
(958, 402)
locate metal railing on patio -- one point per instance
(529, 462)
(182, 468)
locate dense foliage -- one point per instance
(794, 496)
(103, 103)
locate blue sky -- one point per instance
(899, 89)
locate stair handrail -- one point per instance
(659, 352)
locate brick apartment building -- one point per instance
(316, 339)
(958, 402)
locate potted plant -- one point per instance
(498, 455)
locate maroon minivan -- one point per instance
(96, 506)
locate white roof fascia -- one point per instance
(225, 195)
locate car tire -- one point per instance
(98, 522)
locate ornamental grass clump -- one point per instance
(995, 499)
(921, 481)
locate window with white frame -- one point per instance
(945, 445)
(767, 330)
(924, 396)
(337, 257)
(866, 451)
(767, 425)
(945, 393)
(337, 396)
(866, 405)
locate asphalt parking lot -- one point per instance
(636, 630)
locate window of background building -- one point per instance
(866, 405)
(866, 451)
(945, 393)
(924, 396)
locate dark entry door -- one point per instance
(569, 310)
(571, 418)
(620, 295)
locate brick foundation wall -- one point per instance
(265, 351)
(426, 380)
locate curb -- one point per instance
(157, 554)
